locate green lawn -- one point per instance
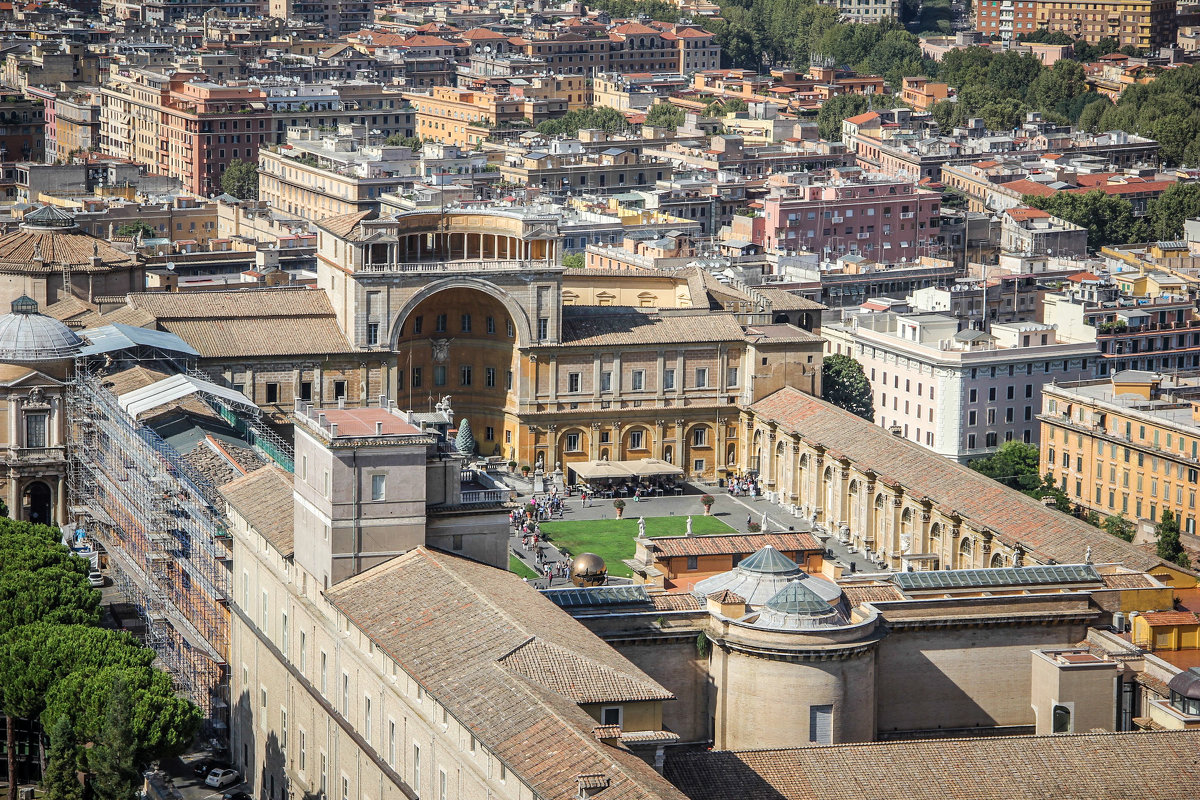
(518, 566)
(612, 539)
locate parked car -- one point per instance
(222, 777)
(239, 795)
(202, 767)
(96, 578)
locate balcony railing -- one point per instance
(480, 496)
(474, 265)
(37, 454)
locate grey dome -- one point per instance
(758, 577)
(801, 605)
(26, 335)
(49, 218)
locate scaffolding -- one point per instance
(164, 528)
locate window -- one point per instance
(441, 784)
(491, 325)
(35, 430)
(464, 375)
(489, 433)
(699, 437)
(418, 323)
(635, 440)
(345, 694)
(698, 466)
(416, 377)
(339, 390)
(820, 724)
(731, 377)
(465, 324)
(324, 765)
(572, 442)
(283, 633)
(1061, 719)
(345, 788)
(439, 375)
(489, 377)
(266, 618)
(324, 673)
(637, 380)
(508, 328)
(439, 324)
(303, 652)
(283, 729)
(306, 391)
(372, 334)
(606, 381)
(574, 381)
(543, 331)
(272, 393)
(392, 742)
(610, 715)
(693, 562)
(303, 750)
(417, 767)
(701, 377)
(377, 486)
(367, 718)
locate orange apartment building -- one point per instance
(1145, 24)
(461, 117)
(922, 93)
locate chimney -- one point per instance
(341, 402)
(379, 428)
(896, 431)
(333, 430)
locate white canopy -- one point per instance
(622, 470)
(139, 401)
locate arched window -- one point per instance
(965, 548)
(1061, 719)
(997, 560)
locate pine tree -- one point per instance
(465, 441)
(60, 779)
(114, 770)
(1169, 546)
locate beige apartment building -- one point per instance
(1127, 445)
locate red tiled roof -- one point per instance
(981, 502)
(732, 543)
(861, 119)
(1161, 618)
(1022, 213)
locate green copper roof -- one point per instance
(796, 598)
(768, 561)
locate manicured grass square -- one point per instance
(612, 539)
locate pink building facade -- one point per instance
(849, 211)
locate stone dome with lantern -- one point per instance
(56, 258)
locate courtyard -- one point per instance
(613, 539)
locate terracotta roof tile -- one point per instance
(1159, 618)
(578, 678)
(883, 593)
(448, 622)
(1065, 767)
(732, 543)
(264, 499)
(17, 250)
(726, 597)
(675, 601)
(1127, 580)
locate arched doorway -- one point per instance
(37, 503)
(462, 342)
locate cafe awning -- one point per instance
(648, 467)
(600, 470)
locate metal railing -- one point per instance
(483, 265)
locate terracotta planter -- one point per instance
(708, 511)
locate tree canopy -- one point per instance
(1170, 548)
(1109, 219)
(844, 384)
(58, 667)
(665, 115)
(569, 124)
(1015, 464)
(240, 179)
(1168, 211)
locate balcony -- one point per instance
(481, 497)
(450, 267)
(37, 455)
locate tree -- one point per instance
(1167, 212)
(835, 110)
(240, 179)
(1015, 464)
(1109, 219)
(1118, 526)
(414, 143)
(844, 384)
(606, 119)
(1170, 548)
(60, 778)
(465, 441)
(573, 261)
(111, 761)
(132, 229)
(665, 115)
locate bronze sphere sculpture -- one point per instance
(588, 569)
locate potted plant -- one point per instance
(512, 466)
(619, 505)
(525, 468)
(530, 510)
(707, 501)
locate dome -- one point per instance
(48, 218)
(758, 577)
(26, 335)
(799, 606)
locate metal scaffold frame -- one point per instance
(164, 529)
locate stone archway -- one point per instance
(37, 503)
(461, 340)
(520, 319)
